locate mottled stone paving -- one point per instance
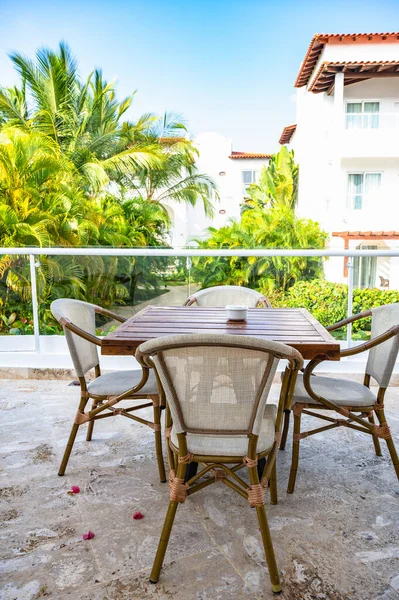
(336, 538)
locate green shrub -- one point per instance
(324, 300)
(328, 301)
(370, 298)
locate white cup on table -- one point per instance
(236, 312)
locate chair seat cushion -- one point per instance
(231, 445)
(117, 382)
(341, 391)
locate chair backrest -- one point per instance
(222, 295)
(382, 358)
(216, 384)
(82, 314)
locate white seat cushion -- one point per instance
(341, 391)
(234, 445)
(117, 382)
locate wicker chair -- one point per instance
(348, 397)
(220, 417)
(78, 321)
(222, 295)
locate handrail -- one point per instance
(178, 252)
(187, 252)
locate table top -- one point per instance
(295, 327)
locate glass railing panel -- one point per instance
(318, 284)
(126, 284)
(375, 284)
(122, 284)
(16, 315)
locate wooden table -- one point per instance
(293, 326)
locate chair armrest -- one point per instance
(362, 315)
(370, 344)
(190, 301)
(109, 313)
(345, 411)
(264, 302)
(80, 332)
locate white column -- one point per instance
(339, 99)
(336, 204)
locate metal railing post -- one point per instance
(350, 266)
(189, 264)
(35, 308)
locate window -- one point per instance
(365, 269)
(363, 189)
(362, 115)
(248, 178)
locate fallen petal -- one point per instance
(88, 536)
(138, 515)
(75, 489)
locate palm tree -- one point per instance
(275, 227)
(84, 120)
(43, 204)
(175, 177)
(37, 191)
(74, 172)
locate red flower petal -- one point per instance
(88, 536)
(75, 489)
(138, 515)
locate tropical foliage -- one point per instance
(268, 221)
(328, 302)
(75, 172)
(277, 185)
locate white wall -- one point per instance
(327, 152)
(214, 151)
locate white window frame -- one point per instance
(365, 267)
(350, 200)
(255, 174)
(362, 114)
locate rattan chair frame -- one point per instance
(263, 302)
(365, 422)
(178, 460)
(103, 406)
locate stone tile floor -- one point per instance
(336, 538)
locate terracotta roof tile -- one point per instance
(319, 40)
(366, 234)
(249, 155)
(287, 134)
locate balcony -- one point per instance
(370, 136)
(214, 552)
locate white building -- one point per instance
(232, 171)
(346, 141)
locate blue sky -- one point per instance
(226, 66)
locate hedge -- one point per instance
(327, 301)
